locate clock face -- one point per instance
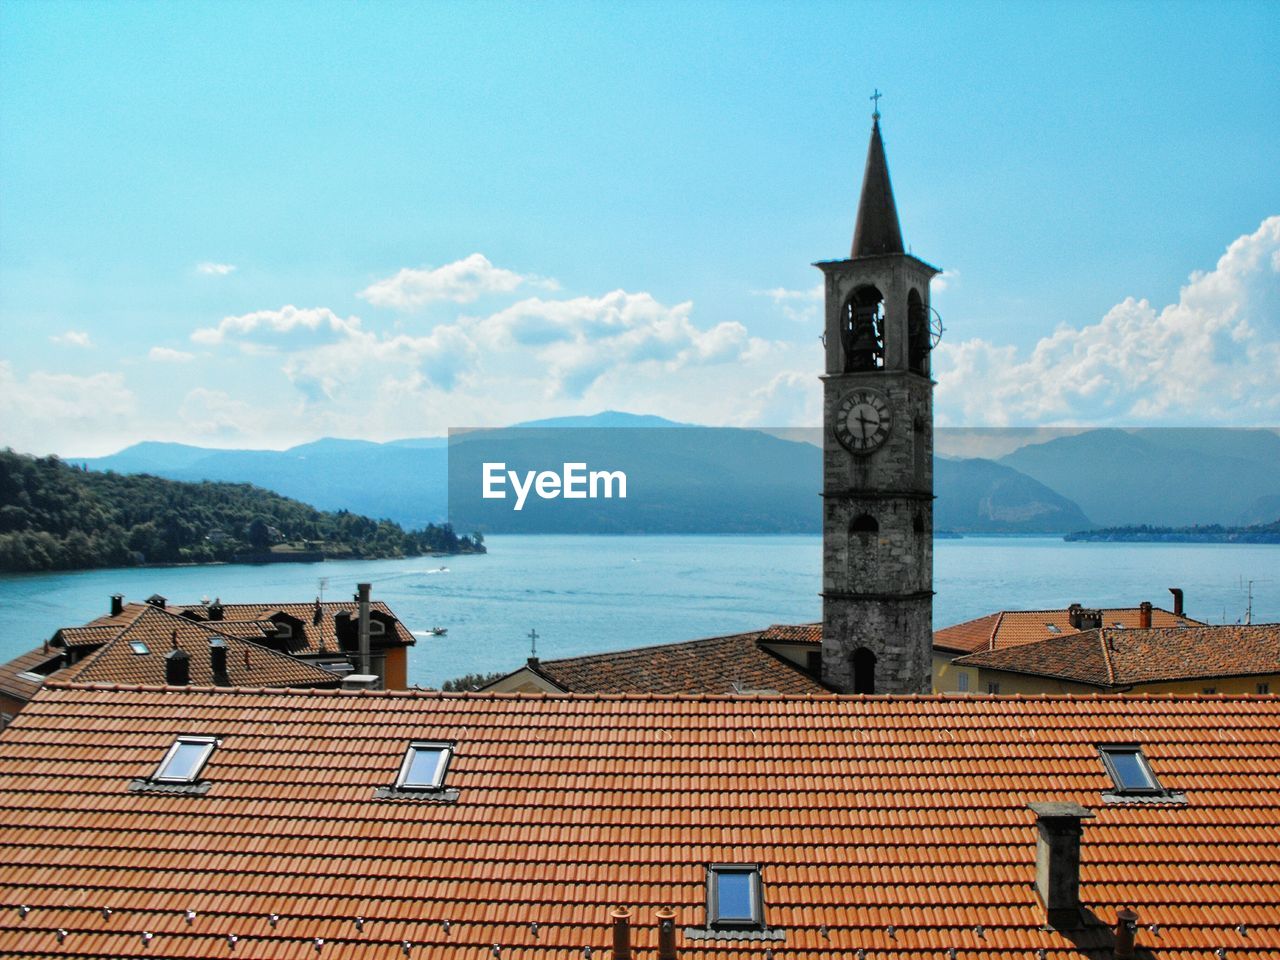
(863, 421)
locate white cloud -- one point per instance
(169, 355)
(462, 281)
(944, 280)
(61, 411)
(210, 269)
(288, 324)
(72, 338)
(799, 306)
(1210, 358)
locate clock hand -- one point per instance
(862, 419)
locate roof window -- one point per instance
(1129, 769)
(1053, 628)
(185, 759)
(424, 766)
(138, 647)
(734, 896)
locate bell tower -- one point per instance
(877, 483)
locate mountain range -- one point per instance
(704, 479)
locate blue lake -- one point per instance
(590, 594)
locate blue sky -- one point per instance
(254, 224)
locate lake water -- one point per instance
(591, 594)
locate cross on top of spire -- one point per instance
(875, 98)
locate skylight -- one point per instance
(424, 766)
(734, 896)
(138, 647)
(1129, 769)
(185, 759)
(1053, 628)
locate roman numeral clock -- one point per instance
(877, 523)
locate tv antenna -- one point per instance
(1248, 610)
(533, 644)
(321, 583)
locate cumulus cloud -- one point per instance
(577, 341)
(169, 355)
(462, 281)
(799, 306)
(211, 269)
(289, 324)
(72, 338)
(57, 411)
(1211, 357)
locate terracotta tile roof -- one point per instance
(91, 636)
(248, 664)
(1007, 628)
(864, 813)
(793, 633)
(13, 683)
(314, 635)
(1122, 658)
(729, 664)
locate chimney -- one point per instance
(117, 604)
(362, 598)
(218, 661)
(157, 601)
(1177, 600)
(1144, 615)
(1058, 861)
(666, 933)
(1073, 615)
(177, 665)
(1126, 933)
(621, 917)
(360, 681)
(215, 609)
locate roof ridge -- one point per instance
(421, 694)
(654, 646)
(1106, 656)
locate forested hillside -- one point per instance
(57, 517)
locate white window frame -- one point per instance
(209, 743)
(442, 769)
(135, 644)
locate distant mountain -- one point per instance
(725, 480)
(981, 496)
(1161, 477)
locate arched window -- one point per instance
(864, 524)
(917, 524)
(864, 671)
(862, 330)
(917, 334)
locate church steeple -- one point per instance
(877, 230)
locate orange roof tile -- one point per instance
(316, 634)
(1007, 628)
(1121, 658)
(793, 633)
(864, 813)
(729, 664)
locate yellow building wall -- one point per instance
(1025, 684)
(947, 677)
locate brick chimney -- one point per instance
(621, 918)
(666, 933)
(1177, 600)
(1126, 933)
(218, 661)
(117, 604)
(177, 665)
(1058, 861)
(1144, 615)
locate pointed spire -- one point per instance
(877, 230)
